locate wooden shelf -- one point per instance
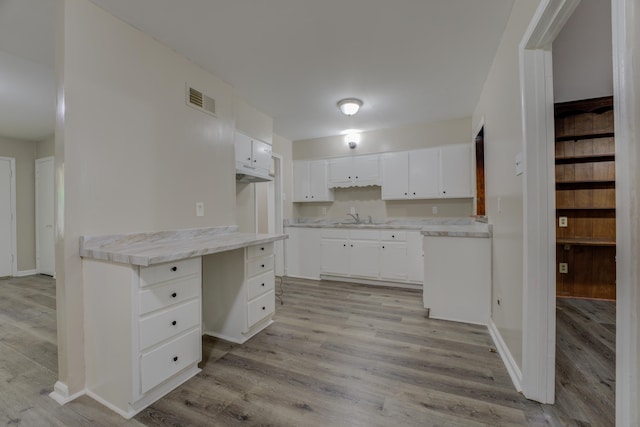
(586, 158)
(587, 208)
(594, 105)
(585, 136)
(584, 241)
(598, 183)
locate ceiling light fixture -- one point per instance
(349, 106)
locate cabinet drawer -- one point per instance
(169, 270)
(364, 234)
(393, 235)
(259, 266)
(156, 297)
(164, 324)
(169, 359)
(259, 250)
(335, 233)
(260, 284)
(260, 308)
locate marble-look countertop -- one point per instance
(391, 223)
(476, 229)
(452, 227)
(150, 248)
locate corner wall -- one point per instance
(500, 106)
(130, 154)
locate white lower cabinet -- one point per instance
(142, 330)
(387, 255)
(302, 252)
(238, 292)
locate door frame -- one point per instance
(539, 275)
(14, 216)
(37, 211)
(539, 217)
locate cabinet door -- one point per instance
(367, 170)
(394, 261)
(455, 171)
(415, 257)
(292, 254)
(335, 256)
(318, 187)
(364, 258)
(243, 150)
(341, 173)
(300, 181)
(395, 176)
(261, 153)
(424, 173)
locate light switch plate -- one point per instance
(519, 164)
(199, 209)
(563, 221)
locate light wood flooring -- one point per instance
(337, 355)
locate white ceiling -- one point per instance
(410, 61)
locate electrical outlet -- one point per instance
(563, 267)
(434, 210)
(563, 221)
(324, 210)
(199, 209)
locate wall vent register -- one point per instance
(200, 101)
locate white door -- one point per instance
(363, 258)
(318, 188)
(45, 240)
(424, 174)
(395, 176)
(7, 205)
(300, 181)
(455, 171)
(394, 261)
(341, 173)
(335, 256)
(367, 170)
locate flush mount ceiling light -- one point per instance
(349, 106)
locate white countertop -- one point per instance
(150, 248)
(452, 227)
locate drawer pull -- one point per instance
(262, 265)
(174, 323)
(393, 236)
(264, 308)
(175, 358)
(263, 284)
(174, 268)
(262, 249)
(173, 295)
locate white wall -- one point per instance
(500, 106)
(130, 154)
(367, 200)
(582, 66)
(283, 147)
(25, 154)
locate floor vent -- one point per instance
(200, 101)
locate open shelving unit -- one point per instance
(585, 196)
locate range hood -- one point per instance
(246, 176)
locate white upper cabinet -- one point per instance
(354, 171)
(310, 181)
(253, 157)
(456, 171)
(430, 173)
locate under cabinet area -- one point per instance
(238, 292)
(369, 254)
(145, 326)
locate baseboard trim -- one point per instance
(24, 273)
(373, 282)
(61, 395)
(509, 362)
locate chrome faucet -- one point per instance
(356, 217)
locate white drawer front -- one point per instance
(162, 325)
(260, 284)
(335, 233)
(364, 234)
(393, 235)
(169, 359)
(259, 266)
(260, 308)
(259, 250)
(169, 270)
(161, 296)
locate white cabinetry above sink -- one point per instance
(310, 181)
(354, 171)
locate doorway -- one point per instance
(8, 261)
(45, 239)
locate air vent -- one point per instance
(200, 101)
